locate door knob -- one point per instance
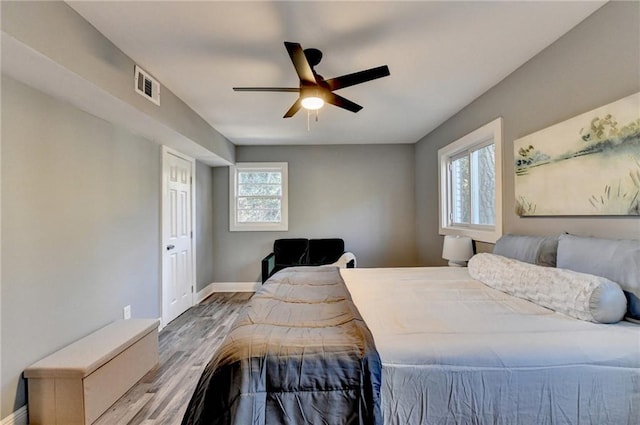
(170, 247)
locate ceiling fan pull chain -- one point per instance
(317, 113)
(308, 118)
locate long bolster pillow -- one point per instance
(579, 295)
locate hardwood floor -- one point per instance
(186, 345)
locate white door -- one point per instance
(178, 269)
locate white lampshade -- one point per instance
(457, 249)
(312, 102)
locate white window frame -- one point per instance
(485, 135)
(234, 225)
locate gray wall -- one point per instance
(55, 30)
(363, 194)
(80, 229)
(204, 225)
(596, 63)
(80, 196)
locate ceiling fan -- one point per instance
(314, 89)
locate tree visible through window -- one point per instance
(460, 190)
(473, 191)
(258, 196)
(484, 165)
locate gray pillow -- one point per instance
(617, 260)
(540, 250)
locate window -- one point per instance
(470, 184)
(258, 197)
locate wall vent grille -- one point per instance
(147, 86)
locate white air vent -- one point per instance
(146, 85)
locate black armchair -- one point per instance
(306, 252)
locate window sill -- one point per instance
(279, 227)
(480, 235)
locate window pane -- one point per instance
(259, 203)
(258, 198)
(249, 189)
(460, 199)
(484, 187)
(275, 178)
(259, 177)
(259, 216)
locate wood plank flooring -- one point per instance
(186, 345)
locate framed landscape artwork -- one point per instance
(587, 165)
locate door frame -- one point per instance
(163, 216)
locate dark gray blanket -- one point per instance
(300, 353)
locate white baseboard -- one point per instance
(226, 287)
(19, 417)
(161, 325)
(203, 293)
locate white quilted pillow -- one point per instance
(580, 295)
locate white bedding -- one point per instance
(455, 351)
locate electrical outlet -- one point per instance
(127, 312)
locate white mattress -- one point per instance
(455, 351)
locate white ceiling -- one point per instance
(442, 55)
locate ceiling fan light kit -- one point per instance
(314, 91)
(312, 103)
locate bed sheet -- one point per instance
(455, 351)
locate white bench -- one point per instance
(78, 383)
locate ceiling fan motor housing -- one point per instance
(312, 91)
(314, 56)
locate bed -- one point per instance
(429, 346)
(455, 351)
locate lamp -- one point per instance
(457, 249)
(311, 97)
(312, 102)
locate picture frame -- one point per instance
(588, 165)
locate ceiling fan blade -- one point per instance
(358, 77)
(341, 102)
(294, 108)
(300, 63)
(270, 89)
